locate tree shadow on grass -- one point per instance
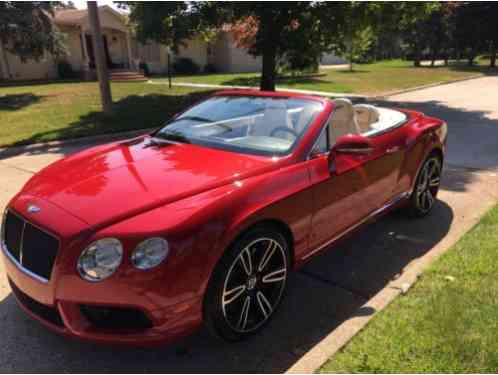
(132, 112)
(14, 102)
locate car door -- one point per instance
(380, 169)
(337, 203)
(345, 194)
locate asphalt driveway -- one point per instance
(328, 291)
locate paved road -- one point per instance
(328, 291)
(471, 110)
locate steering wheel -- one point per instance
(284, 129)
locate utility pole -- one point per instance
(100, 61)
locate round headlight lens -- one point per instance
(150, 253)
(101, 259)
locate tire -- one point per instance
(247, 285)
(426, 187)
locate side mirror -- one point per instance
(342, 158)
(353, 144)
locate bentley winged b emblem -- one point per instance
(32, 209)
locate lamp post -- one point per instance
(168, 50)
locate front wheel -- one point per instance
(247, 285)
(426, 187)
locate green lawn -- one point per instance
(45, 112)
(366, 79)
(448, 322)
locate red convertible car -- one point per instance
(200, 222)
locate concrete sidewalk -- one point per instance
(329, 300)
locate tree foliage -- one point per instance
(27, 29)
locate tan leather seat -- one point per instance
(274, 116)
(343, 120)
(366, 115)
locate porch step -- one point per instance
(126, 75)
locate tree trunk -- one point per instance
(492, 55)
(268, 70)
(270, 37)
(100, 59)
(416, 56)
(470, 61)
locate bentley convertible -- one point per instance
(200, 222)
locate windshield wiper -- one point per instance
(194, 118)
(172, 136)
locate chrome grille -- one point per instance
(31, 248)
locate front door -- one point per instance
(338, 200)
(91, 55)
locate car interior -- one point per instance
(363, 119)
(274, 125)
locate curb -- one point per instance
(101, 138)
(324, 350)
(399, 92)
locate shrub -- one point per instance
(184, 65)
(143, 67)
(210, 68)
(65, 70)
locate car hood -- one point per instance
(109, 183)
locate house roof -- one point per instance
(70, 16)
(78, 16)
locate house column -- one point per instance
(86, 60)
(4, 63)
(128, 47)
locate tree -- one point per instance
(470, 26)
(100, 61)
(280, 30)
(411, 17)
(490, 30)
(298, 32)
(27, 30)
(169, 23)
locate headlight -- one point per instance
(101, 259)
(150, 253)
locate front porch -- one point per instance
(117, 47)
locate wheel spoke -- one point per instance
(231, 295)
(429, 198)
(264, 304)
(434, 182)
(244, 313)
(270, 250)
(434, 169)
(246, 260)
(275, 276)
(423, 198)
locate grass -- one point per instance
(45, 112)
(369, 79)
(448, 322)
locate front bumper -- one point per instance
(47, 303)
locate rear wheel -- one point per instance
(426, 187)
(247, 285)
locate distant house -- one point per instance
(122, 51)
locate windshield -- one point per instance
(250, 124)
